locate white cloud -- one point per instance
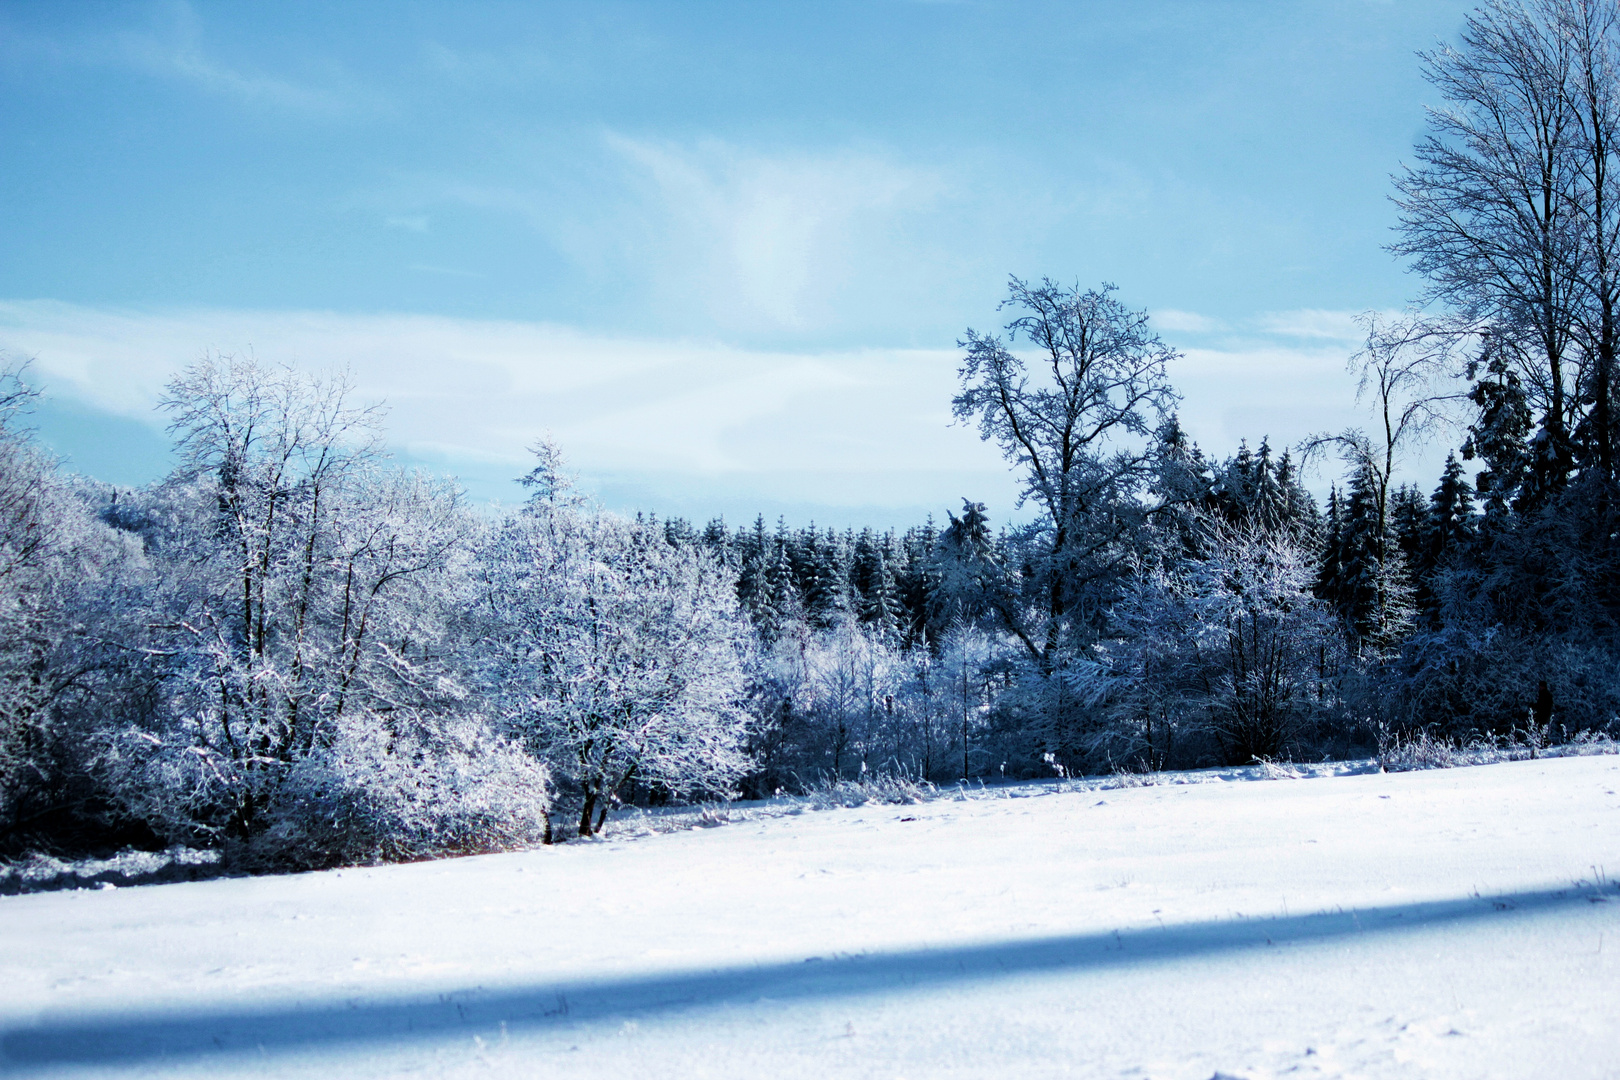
(860, 427)
(717, 238)
(665, 418)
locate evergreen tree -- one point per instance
(1497, 437)
(826, 595)
(1300, 513)
(1408, 517)
(1234, 491)
(968, 570)
(1329, 577)
(1184, 484)
(917, 580)
(716, 539)
(864, 559)
(1268, 506)
(1369, 587)
(754, 550)
(1451, 514)
(678, 532)
(880, 606)
(784, 604)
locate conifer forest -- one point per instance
(295, 652)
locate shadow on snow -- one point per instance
(134, 1038)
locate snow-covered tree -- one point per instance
(1363, 575)
(303, 601)
(1451, 513)
(970, 586)
(614, 655)
(59, 574)
(1231, 644)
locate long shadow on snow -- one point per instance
(133, 1037)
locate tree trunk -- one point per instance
(587, 812)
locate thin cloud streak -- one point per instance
(171, 45)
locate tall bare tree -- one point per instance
(1592, 27)
(1487, 215)
(1075, 413)
(1511, 212)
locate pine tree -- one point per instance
(1497, 438)
(863, 564)
(967, 570)
(716, 539)
(1184, 486)
(1301, 514)
(880, 605)
(1370, 588)
(1451, 514)
(917, 579)
(679, 532)
(754, 550)
(784, 604)
(1328, 578)
(1234, 491)
(1448, 529)
(826, 595)
(1268, 506)
(1408, 518)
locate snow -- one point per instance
(1449, 923)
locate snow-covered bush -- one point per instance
(613, 655)
(1231, 644)
(307, 708)
(371, 793)
(847, 702)
(373, 796)
(1462, 684)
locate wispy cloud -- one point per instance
(1174, 321)
(866, 427)
(779, 235)
(713, 237)
(171, 43)
(1313, 324)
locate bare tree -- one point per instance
(1512, 211)
(1488, 215)
(1407, 373)
(1074, 415)
(1592, 28)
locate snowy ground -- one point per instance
(1454, 923)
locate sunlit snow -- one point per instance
(1448, 923)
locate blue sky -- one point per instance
(721, 251)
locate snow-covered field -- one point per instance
(1457, 923)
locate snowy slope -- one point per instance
(1449, 923)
